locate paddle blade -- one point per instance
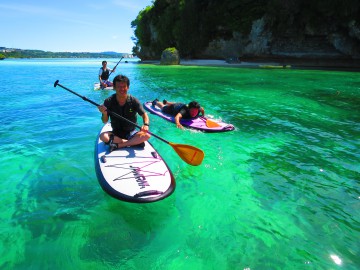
(190, 154)
(211, 124)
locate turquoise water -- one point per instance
(279, 192)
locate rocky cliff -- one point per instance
(306, 43)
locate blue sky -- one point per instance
(69, 25)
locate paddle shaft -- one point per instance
(116, 65)
(110, 112)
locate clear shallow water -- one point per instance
(279, 192)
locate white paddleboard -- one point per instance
(132, 174)
(97, 87)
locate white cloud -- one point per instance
(54, 14)
(130, 5)
(31, 9)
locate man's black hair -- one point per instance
(121, 78)
(194, 104)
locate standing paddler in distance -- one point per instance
(121, 103)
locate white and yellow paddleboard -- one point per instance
(132, 174)
(97, 87)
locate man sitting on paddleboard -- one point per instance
(104, 74)
(127, 106)
(180, 110)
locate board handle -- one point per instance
(148, 193)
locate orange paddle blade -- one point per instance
(211, 124)
(190, 154)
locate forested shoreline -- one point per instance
(257, 28)
(19, 53)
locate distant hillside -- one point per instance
(109, 53)
(19, 53)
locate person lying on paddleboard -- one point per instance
(104, 74)
(127, 106)
(180, 110)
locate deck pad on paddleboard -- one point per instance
(97, 87)
(132, 174)
(199, 123)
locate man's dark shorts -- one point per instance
(169, 109)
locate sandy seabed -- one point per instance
(352, 65)
(219, 63)
(204, 62)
